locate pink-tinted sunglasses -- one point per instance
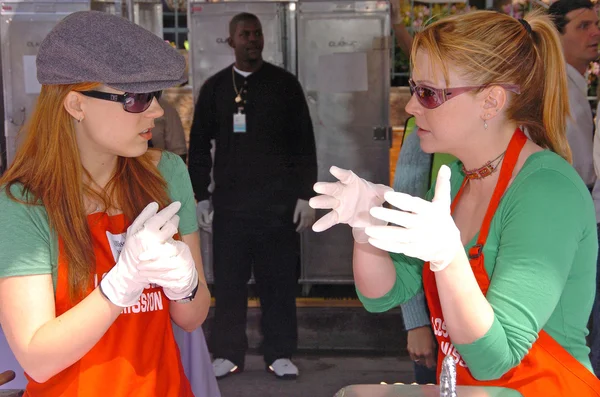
(431, 97)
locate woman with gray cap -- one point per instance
(86, 295)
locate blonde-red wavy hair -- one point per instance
(47, 166)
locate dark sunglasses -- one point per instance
(431, 97)
(132, 103)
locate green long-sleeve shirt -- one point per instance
(540, 256)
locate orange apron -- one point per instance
(547, 369)
(138, 355)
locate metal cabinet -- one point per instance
(344, 67)
(146, 13)
(340, 52)
(208, 25)
(24, 26)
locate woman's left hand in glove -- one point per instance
(171, 266)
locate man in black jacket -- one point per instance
(264, 169)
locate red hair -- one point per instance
(48, 167)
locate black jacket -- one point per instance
(274, 162)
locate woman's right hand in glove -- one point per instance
(123, 284)
(350, 200)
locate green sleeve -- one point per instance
(409, 271)
(408, 284)
(543, 220)
(179, 186)
(26, 246)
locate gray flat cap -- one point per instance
(93, 46)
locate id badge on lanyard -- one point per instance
(239, 122)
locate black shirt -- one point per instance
(269, 166)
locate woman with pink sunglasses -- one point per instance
(505, 247)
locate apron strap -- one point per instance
(511, 157)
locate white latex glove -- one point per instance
(425, 229)
(304, 215)
(204, 213)
(350, 200)
(171, 266)
(123, 284)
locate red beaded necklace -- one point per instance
(488, 168)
